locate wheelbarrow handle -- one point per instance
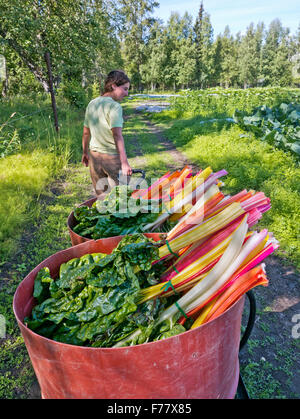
(251, 319)
(143, 173)
(242, 390)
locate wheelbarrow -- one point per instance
(199, 363)
(72, 222)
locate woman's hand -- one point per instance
(85, 159)
(119, 141)
(126, 169)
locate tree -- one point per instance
(283, 67)
(73, 33)
(295, 58)
(277, 51)
(217, 61)
(156, 52)
(250, 55)
(203, 38)
(136, 23)
(185, 62)
(229, 59)
(182, 62)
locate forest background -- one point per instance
(100, 35)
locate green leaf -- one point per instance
(41, 284)
(94, 299)
(295, 148)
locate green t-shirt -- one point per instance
(102, 114)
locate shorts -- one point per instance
(105, 170)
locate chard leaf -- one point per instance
(94, 299)
(42, 283)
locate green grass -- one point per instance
(48, 234)
(41, 158)
(140, 141)
(23, 179)
(32, 218)
(218, 101)
(274, 374)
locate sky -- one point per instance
(237, 14)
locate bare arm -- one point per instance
(119, 141)
(86, 136)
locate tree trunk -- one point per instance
(47, 58)
(37, 72)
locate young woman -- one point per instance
(102, 141)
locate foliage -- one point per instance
(224, 102)
(249, 56)
(101, 35)
(260, 57)
(9, 139)
(33, 28)
(118, 214)
(23, 179)
(20, 81)
(45, 235)
(279, 126)
(74, 93)
(135, 22)
(41, 158)
(100, 309)
(277, 67)
(250, 162)
(203, 38)
(200, 130)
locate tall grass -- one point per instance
(42, 155)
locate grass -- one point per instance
(250, 164)
(32, 217)
(47, 235)
(40, 158)
(144, 148)
(23, 179)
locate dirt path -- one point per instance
(168, 146)
(177, 159)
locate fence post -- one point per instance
(48, 62)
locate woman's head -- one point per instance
(114, 82)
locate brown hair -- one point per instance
(117, 77)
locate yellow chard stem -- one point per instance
(210, 226)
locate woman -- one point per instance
(102, 141)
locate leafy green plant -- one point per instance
(279, 126)
(118, 214)
(223, 102)
(94, 300)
